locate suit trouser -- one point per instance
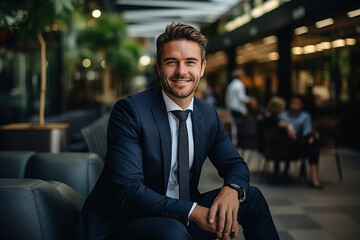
(254, 216)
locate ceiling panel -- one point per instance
(148, 18)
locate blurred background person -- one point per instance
(306, 140)
(235, 95)
(255, 110)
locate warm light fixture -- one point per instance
(103, 64)
(309, 49)
(96, 13)
(350, 41)
(237, 22)
(324, 23)
(266, 7)
(270, 39)
(338, 43)
(273, 56)
(354, 13)
(145, 60)
(297, 50)
(86, 63)
(301, 30)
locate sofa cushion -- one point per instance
(13, 163)
(78, 170)
(36, 209)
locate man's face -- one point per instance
(180, 69)
(296, 105)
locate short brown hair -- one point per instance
(180, 31)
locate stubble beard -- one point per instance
(168, 89)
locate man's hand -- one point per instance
(223, 213)
(200, 217)
(221, 218)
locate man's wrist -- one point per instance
(237, 188)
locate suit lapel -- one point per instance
(161, 118)
(199, 136)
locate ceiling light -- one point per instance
(237, 22)
(354, 13)
(309, 49)
(269, 40)
(324, 23)
(350, 41)
(96, 13)
(325, 45)
(338, 43)
(145, 60)
(273, 56)
(297, 50)
(86, 63)
(301, 30)
(103, 64)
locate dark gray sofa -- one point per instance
(41, 194)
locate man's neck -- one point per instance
(183, 103)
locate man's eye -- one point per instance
(170, 62)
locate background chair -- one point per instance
(276, 146)
(247, 137)
(327, 127)
(95, 136)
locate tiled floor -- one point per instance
(302, 213)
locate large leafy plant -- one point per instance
(31, 18)
(107, 38)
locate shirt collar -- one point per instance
(172, 106)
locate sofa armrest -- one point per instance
(36, 209)
(13, 164)
(78, 170)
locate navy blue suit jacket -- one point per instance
(135, 177)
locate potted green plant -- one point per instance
(30, 19)
(107, 37)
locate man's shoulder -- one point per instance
(143, 96)
(204, 107)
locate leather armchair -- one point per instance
(41, 194)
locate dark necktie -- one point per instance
(183, 155)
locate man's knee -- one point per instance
(173, 230)
(255, 193)
(255, 200)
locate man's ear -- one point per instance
(203, 68)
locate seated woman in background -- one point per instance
(272, 121)
(275, 107)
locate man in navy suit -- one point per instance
(137, 194)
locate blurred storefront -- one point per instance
(284, 46)
(307, 47)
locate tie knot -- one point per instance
(181, 115)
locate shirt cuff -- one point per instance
(243, 197)
(191, 210)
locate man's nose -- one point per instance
(181, 69)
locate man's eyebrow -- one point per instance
(169, 58)
(192, 58)
(173, 58)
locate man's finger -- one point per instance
(221, 220)
(212, 214)
(228, 225)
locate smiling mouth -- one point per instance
(180, 80)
